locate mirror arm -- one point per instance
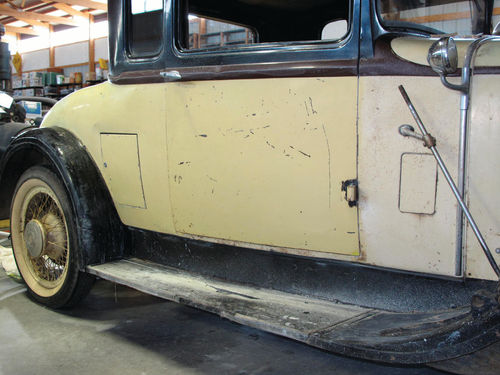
(463, 87)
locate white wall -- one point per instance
(101, 49)
(36, 60)
(76, 53)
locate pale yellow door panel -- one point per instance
(262, 161)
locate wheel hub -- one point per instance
(34, 237)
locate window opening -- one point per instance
(145, 27)
(335, 30)
(224, 24)
(434, 16)
(207, 33)
(496, 13)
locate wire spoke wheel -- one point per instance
(45, 236)
(40, 237)
(44, 240)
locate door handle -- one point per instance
(350, 188)
(171, 75)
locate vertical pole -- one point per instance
(52, 62)
(91, 44)
(202, 31)
(18, 38)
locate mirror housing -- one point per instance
(443, 56)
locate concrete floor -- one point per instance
(117, 330)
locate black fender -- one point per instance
(8, 131)
(101, 235)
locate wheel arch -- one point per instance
(101, 235)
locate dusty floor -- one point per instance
(117, 330)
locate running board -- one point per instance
(362, 332)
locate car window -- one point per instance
(496, 13)
(145, 27)
(434, 16)
(234, 23)
(207, 33)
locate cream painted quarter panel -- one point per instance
(262, 161)
(417, 192)
(483, 182)
(126, 109)
(390, 238)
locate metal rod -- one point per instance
(464, 87)
(464, 113)
(4, 234)
(450, 181)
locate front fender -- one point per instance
(101, 235)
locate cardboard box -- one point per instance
(16, 83)
(36, 82)
(36, 75)
(28, 92)
(50, 78)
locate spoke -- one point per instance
(57, 245)
(44, 208)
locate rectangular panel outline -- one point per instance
(145, 206)
(400, 180)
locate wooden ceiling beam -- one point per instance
(8, 11)
(68, 9)
(34, 23)
(87, 4)
(21, 30)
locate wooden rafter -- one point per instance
(33, 16)
(33, 22)
(87, 4)
(68, 9)
(21, 30)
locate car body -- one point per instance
(280, 150)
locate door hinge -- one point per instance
(350, 188)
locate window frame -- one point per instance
(322, 58)
(224, 55)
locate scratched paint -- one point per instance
(266, 170)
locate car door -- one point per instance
(259, 150)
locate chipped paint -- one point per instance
(268, 165)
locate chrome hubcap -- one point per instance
(34, 237)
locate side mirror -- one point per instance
(443, 57)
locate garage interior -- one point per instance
(56, 48)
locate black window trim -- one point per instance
(257, 48)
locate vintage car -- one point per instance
(257, 159)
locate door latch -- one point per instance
(350, 188)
